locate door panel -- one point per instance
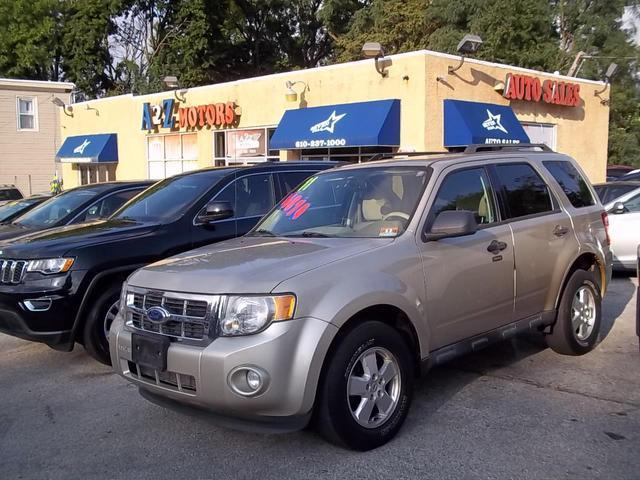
(469, 290)
(624, 231)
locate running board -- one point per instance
(445, 354)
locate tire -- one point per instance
(577, 336)
(96, 342)
(345, 367)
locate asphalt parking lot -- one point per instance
(516, 410)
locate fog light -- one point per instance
(248, 381)
(253, 379)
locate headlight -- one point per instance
(247, 315)
(50, 265)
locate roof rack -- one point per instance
(482, 147)
(381, 156)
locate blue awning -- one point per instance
(467, 123)
(100, 148)
(360, 124)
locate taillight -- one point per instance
(605, 222)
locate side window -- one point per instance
(291, 180)
(14, 194)
(525, 193)
(468, 189)
(250, 196)
(571, 182)
(105, 207)
(633, 204)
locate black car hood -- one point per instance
(11, 230)
(55, 242)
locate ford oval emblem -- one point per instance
(158, 314)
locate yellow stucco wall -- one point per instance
(412, 79)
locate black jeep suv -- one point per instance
(62, 285)
(77, 205)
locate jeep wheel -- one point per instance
(367, 388)
(579, 314)
(99, 319)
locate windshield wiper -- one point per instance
(309, 234)
(261, 233)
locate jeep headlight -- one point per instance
(50, 265)
(252, 314)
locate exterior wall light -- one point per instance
(469, 45)
(374, 50)
(171, 82)
(609, 74)
(291, 95)
(67, 109)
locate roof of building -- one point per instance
(21, 84)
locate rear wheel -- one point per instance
(579, 315)
(99, 320)
(367, 388)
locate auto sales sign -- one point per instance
(531, 89)
(163, 115)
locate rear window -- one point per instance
(572, 183)
(524, 191)
(10, 194)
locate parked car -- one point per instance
(74, 206)
(624, 228)
(608, 192)
(638, 298)
(8, 193)
(633, 175)
(614, 172)
(62, 285)
(360, 280)
(15, 208)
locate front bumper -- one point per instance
(290, 353)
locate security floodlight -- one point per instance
(469, 45)
(171, 81)
(67, 109)
(374, 50)
(611, 71)
(609, 74)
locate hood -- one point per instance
(248, 264)
(60, 240)
(9, 231)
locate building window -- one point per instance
(345, 154)
(171, 154)
(243, 146)
(27, 113)
(92, 173)
(541, 133)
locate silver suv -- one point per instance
(362, 279)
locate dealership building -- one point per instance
(422, 101)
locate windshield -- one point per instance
(367, 202)
(55, 209)
(11, 208)
(169, 198)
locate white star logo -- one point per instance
(493, 122)
(327, 125)
(80, 148)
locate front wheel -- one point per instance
(579, 316)
(99, 320)
(367, 388)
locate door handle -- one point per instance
(496, 247)
(560, 231)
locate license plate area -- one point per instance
(150, 351)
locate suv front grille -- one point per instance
(192, 317)
(12, 271)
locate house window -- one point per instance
(171, 154)
(243, 146)
(27, 113)
(541, 133)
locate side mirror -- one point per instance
(618, 208)
(215, 211)
(452, 223)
